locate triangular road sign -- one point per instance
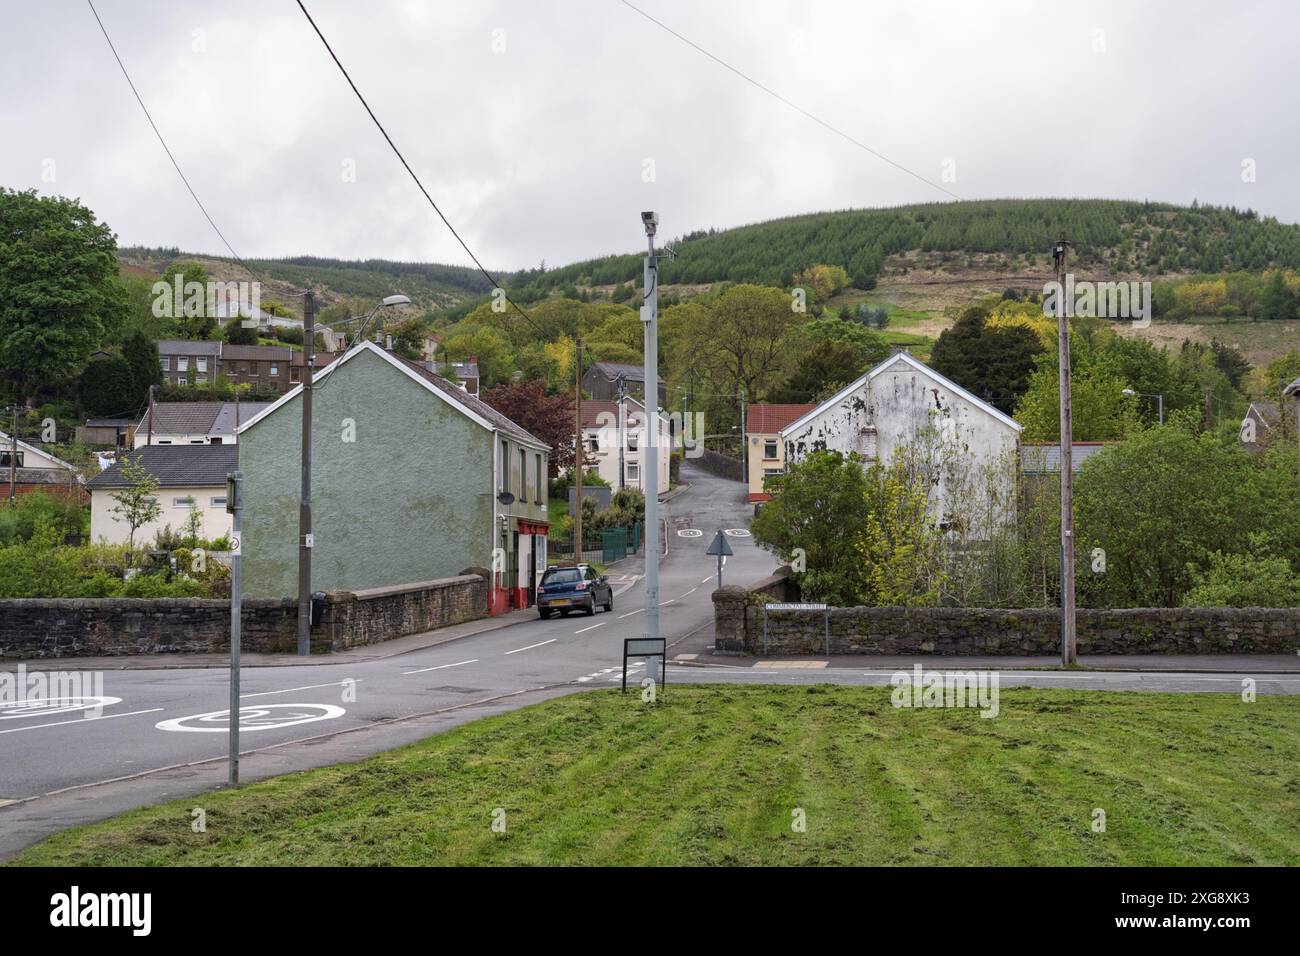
(720, 546)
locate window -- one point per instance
(633, 471)
(537, 498)
(505, 467)
(523, 476)
(218, 501)
(182, 363)
(197, 441)
(252, 369)
(182, 502)
(163, 441)
(769, 449)
(275, 369)
(166, 363)
(631, 442)
(182, 379)
(6, 463)
(200, 379)
(295, 374)
(201, 363)
(151, 501)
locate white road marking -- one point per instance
(290, 690)
(531, 646)
(251, 719)
(707, 580)
(439, 667)
(592, 628)
(691, 591)
(630, 613)
(80, 720)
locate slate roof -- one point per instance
(198, 418)
(1046, 459)
(175, 466)
(469, 402)
(255, 353)
(187, 347)
(612, 370)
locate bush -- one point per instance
(65, 516)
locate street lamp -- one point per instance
(305, 538)
(1159, 397)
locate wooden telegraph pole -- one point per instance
(578, 454)
(1068, 644)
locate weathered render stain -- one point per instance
(409, 500)
(893, 408)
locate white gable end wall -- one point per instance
(892, 407)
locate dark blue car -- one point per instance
(568, 589)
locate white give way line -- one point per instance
(81, 720)
(531, 646)
(290, 690)
(439, 667)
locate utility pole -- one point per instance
(1068, 647)
(650, 455)
(579, 453)
(744, 442)
(149, 437)
(305, 540)
(13, 457)
(622, 426)
(235, 504)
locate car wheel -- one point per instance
(591, 608)
(564, 613)
(544, 613)
(609, 605)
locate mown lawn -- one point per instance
(712, 775)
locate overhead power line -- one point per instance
(166, 148)
(380, 126)
(794, 106)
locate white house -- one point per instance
(188, 476)
(605, 427)
(194, 423)
(904, 404)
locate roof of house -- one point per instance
(769, 419)
(109, 422)
(6, 443)
(175, 466)
(255, 353)
(918, 366)
(474, 408)
(187, 347)
(1265, 412)
(593, 409)
(198, 418)
(612, 370)
(1045, 459)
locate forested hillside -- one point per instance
(1153, 238)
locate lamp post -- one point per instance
(650, 454)
(306, 540)
(1160, 398)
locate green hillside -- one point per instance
(1153, 238)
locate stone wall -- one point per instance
(738, 616)
(108, 627)
(724, 466)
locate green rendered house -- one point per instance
(413, 479)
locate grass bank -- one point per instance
(713, 776)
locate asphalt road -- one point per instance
(162, 733)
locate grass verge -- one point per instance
(711, 775)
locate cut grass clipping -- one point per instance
(716, 775)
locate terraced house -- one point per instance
(413, 480)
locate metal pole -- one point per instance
(305, 540)
(1068, 654)
(622, 427)
(1161, 398)
(650, 457)
(149, 437)
(13, 458)
(579, 453)
(744, 442)
(236, 481)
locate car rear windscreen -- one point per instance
(562, 576)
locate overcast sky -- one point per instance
(535, 124)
